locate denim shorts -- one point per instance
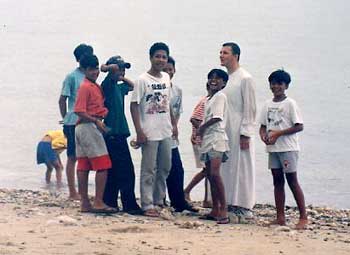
(287, 161)
(212, 154)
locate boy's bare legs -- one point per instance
(195, 180)
(100, 183)
(70, 172)
(218, 187)
(48, 173)
(299, 198)
(59, 168)
(83, 178)
(278, 183)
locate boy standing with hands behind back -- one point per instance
(280, 122)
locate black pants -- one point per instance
(121, 177)
(175, 181)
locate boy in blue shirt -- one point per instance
(69, 92)
(280, 122)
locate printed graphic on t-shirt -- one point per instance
(156, 101)
(274, 116)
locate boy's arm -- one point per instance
(63, 105)
(135, 115)
(129, 82)
(107, 68)
(174, 121)
(273, 135)
(88, 118)
(195, 122)
(263, 134)
(207, 124)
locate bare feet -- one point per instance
(85, 207)
(187, 197)
(301, 224)
(281, 222)
(74, 197)
(207, 204)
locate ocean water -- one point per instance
(308, 39)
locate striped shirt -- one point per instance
(198, 114)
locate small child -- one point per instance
(280, 121)
(48, 152)
(214, 146)
(196, 120)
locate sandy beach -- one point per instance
(37, 222)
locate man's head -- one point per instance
(230, 54)
(217, 80)
(158, 54)
(170, 67)
(119, 61)
(90, 65)
(81, 50)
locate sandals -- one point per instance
(207, 217)
(151, 213)
(224, 220)
(104, 210)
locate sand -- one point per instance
(36, 222)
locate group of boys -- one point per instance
(96, 130)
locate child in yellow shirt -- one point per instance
(48, 150)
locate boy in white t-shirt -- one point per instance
(214, 145)
(155, 125)
(280, 122)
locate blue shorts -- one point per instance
(205, 157)
(45, 153)
(69, 132)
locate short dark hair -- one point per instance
(158, 46)
(171, 60)
(89, 60)
(82, 49)
(279, 76)
(219, 72)
(234, 48)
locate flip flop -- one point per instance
(207, 217)
(224, 220)
(105, 210)
(151, 213)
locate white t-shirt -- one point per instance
(279, 116)
(215, 135)
(153, 96)
(176, 107)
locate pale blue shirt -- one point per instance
(69, 89)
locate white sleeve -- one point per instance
(138, 91)
(249, 107)
(295, 114)
(218, 106)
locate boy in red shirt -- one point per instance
(91, 149)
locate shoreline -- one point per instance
(37, 222)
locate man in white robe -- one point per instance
(239, 171)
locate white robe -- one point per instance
(238, 172)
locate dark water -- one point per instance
(309, 39)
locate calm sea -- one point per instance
(306, 38)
